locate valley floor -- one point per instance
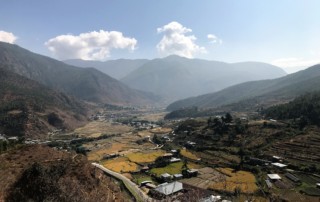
(131, 143)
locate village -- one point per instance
(159, 159)
(166, 165)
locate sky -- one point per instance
(285, 33)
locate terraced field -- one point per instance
(145, 157)
(120, 165)
(302, 149)
(173, 168)
(188, 154)
(243, 180)
(206, 178)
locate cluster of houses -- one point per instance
(143, 125)
(276, 163)
(176, 189)
(3, 137)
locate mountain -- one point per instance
(31, 109)
(284, 88)
(114, 68)
(84, 83)
(176, 77)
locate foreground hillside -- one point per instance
(84, 83)
(176, 77)
(40, 173)
(31, 109)
(283, 89)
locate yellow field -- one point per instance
(120, 165)
(144, 133)
(161, 130)
(173, 168)
(187, 154)
(98, 154)
(153, 117)
(246, 181)
(97, 128)
(140, 157)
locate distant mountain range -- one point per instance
(284, 88)
(177, 77)
(31, 109)
(114, 68)
(85, 83)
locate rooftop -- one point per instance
(274, 176)
(178, 175)
(175, 160)
(192, 170)
(168, 189)
(211, 198)
(165, 175)
(280, 165)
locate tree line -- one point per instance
(304, 109)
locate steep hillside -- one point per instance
(84, 83)
(305, 107)
(284, 88)
(31, 109)
(114, 68)
(40, 173)
(176, 77)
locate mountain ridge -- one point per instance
(85, 83)
(176, 77)
(32, 109)
(114, 68)
(286, 87)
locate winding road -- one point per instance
(132, 187)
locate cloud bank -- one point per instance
(7, 37)
(176, 41)
(214, 39)
(89, 46)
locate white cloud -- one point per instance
(7, 37)
(292, 65)
(214, 39)
(89, 46)
(176, 41)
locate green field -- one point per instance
(173, 168)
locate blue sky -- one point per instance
(285, 33)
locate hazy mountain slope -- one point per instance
(286, 87)
(114, 68)
(84, 83)
(176, 77)
(29, 108)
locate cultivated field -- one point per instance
(160, 130)
(188, 154)
(109, 149)
(120, 165)
(145, 157)
(153, 117)
(173, 168)
(97, 128)
(243, 180)
(205, 179)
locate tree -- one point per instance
(228, 118)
